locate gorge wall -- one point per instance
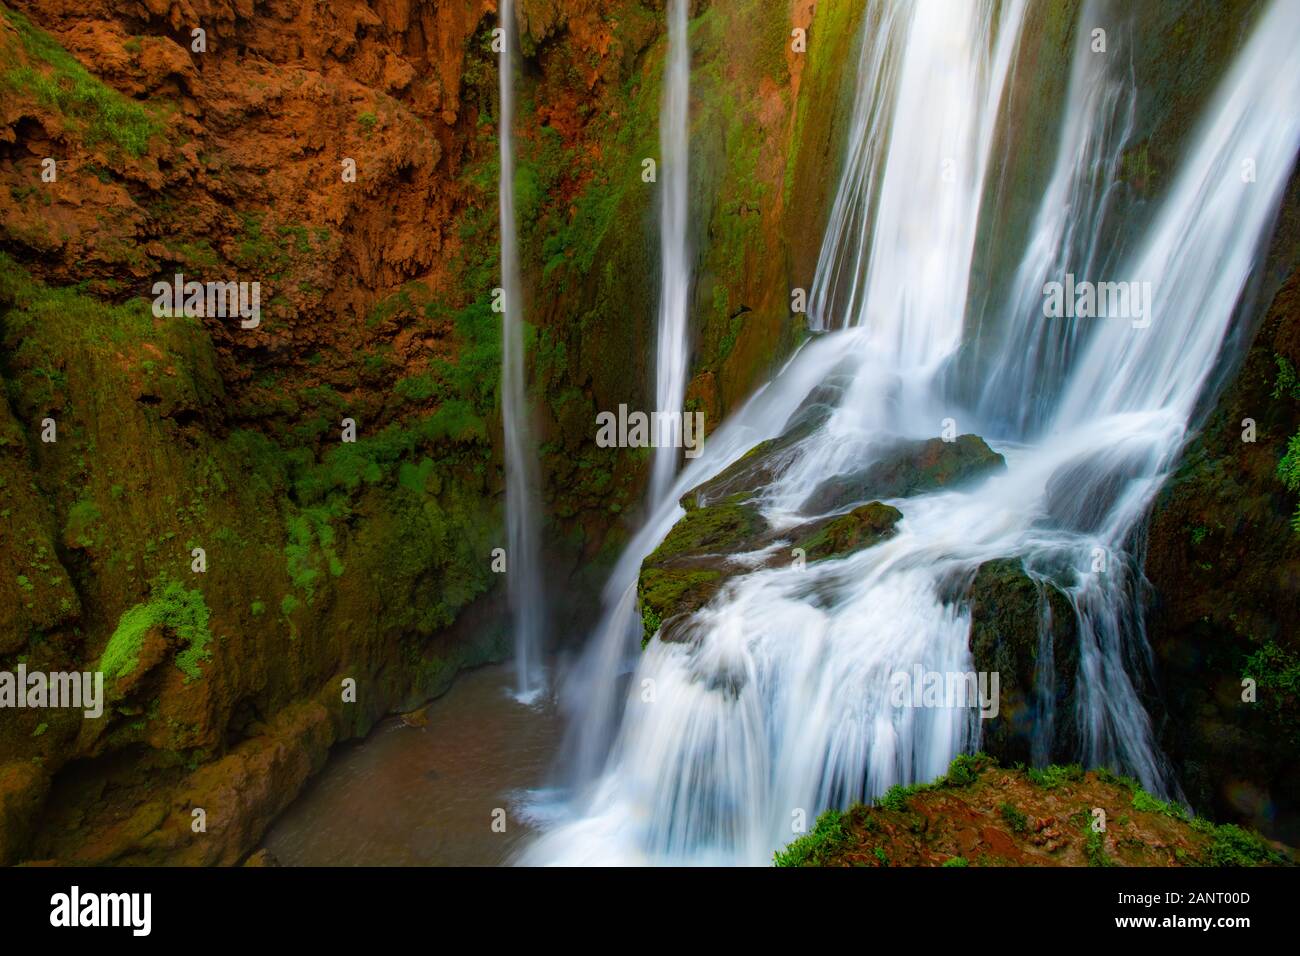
(329, 560)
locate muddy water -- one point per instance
(425, 796)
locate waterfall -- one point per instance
(674, 138)
(523, 574)
(779, 705)
(1067, 235)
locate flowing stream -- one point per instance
(706, 751)
(523, 571)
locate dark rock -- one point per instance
(693, 561)
(1224, 562)
(1026, 632)
(765, 462)
(844, 534)
(907, 468)
(697, 557)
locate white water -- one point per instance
(780, 704)
(674, 138)
(523, 573)
(1067, 234)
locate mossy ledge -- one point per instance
(983, 814)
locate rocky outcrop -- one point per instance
(1025, 631)
(982, 814)
(908, 468)
(723, 520)
(1223, 558)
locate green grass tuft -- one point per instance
(827, 837)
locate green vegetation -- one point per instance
(1287, 385)
(815, 848)
(962, 772)
(956, 861)
(59, 82)
(1230, 845)
(1288, 472)
(1018, 822)
(1049, 778)
(170, 606)
(1276, 672)
(1094, 848)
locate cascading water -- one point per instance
(1067, 236)
(779, 705)
(670, 371)
(523, 575)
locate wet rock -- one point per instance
(699, 555)
(1025, 631)
(907, 468)
(765, 462)
(23, 786)
(1082, 495)
(694, 560)
(861, 528)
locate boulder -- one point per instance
(1025, 631)
(907, 468)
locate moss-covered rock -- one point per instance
(861, 528)
(982, 814)
(1025, 631)
(908, 468)
(693, 562)
(1223, 557)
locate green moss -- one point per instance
(81, 518)
(1148, 804)
(896, 797)
(171, 606)
(1230, 845)
(721, 526)
(860, 528)
(59, 82)
(667, 591)
(1287, 383)
(956, 861)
